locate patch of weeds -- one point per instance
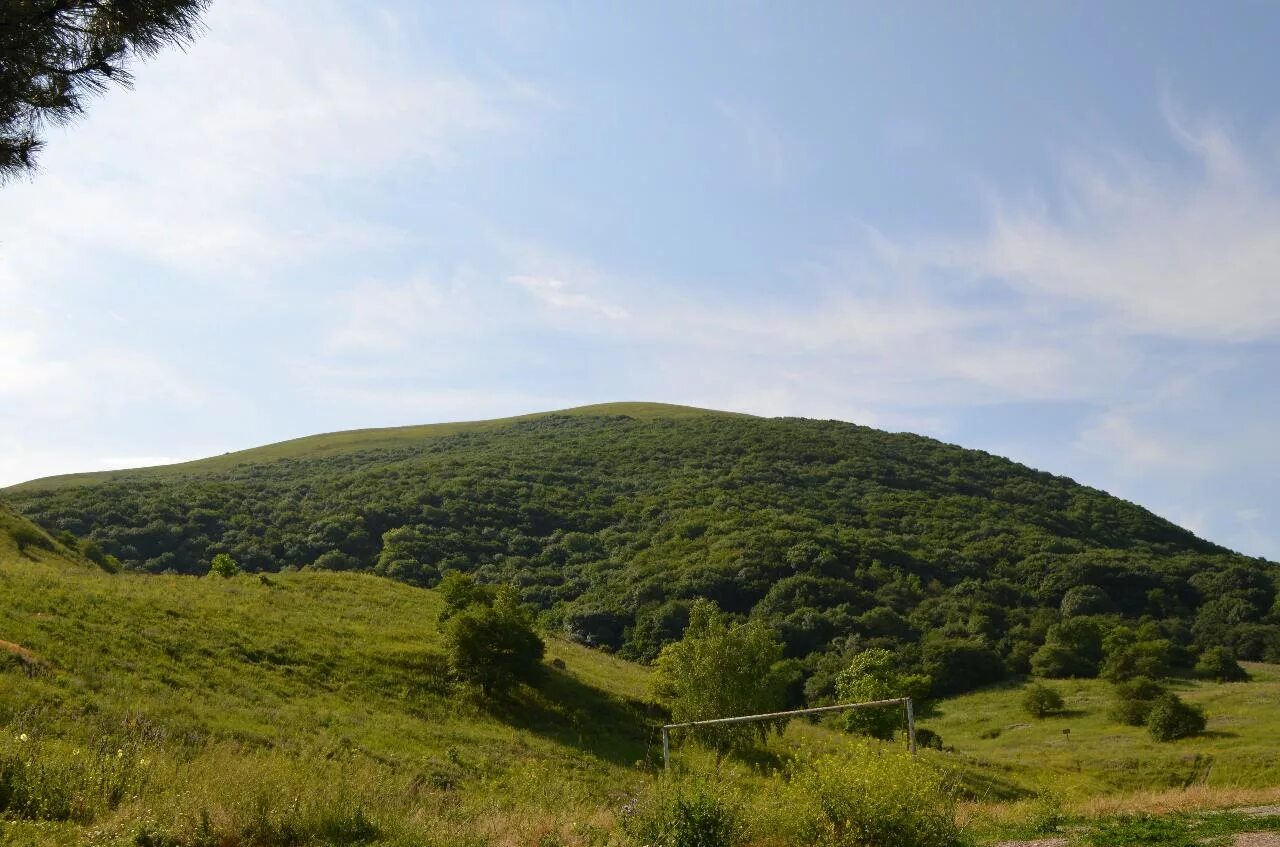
(1142, 831)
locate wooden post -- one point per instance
(666, 748)
(911, 726)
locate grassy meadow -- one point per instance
(1083, 753)
(313, 708)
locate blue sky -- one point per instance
(1050, 231)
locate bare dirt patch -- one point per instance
(1056, 842)
(1257, 839)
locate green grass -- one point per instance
(325, 687)
(990, 731)
(357, 440)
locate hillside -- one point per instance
(313, 708)
(612, 518)
(315, 701)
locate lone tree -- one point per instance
(721, 669)
(491, 641)
(54, 54)
(1041, 701)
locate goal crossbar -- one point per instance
(894, 701)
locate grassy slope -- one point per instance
(299, 685)
(1101, 756)
(356, 440)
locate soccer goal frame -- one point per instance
(895, 701)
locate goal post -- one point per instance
(895, 701)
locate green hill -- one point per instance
(611, 519)
(313, 708)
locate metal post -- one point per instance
(911, 726)
(666, 748)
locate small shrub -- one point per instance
(928, 739)
(1170, 719)
(1040, 701)
(868, 797)
(224, 566)
(1217, 663)
(684, 816)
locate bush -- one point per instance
(1134, 699)
(1171, 719)
(1217, 663)
(224, 566)
(1040, 701)
(688, 815)
(928, 739)
(493, 645)
(868, 797)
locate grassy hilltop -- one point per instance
(361, 441)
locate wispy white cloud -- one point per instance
(232, 155)
(559, 294)
(1188, 253)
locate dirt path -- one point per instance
(1243, 839)
(1258, 839)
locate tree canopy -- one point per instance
(55, 54)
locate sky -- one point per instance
(1050, 231)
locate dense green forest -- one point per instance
(841, 537)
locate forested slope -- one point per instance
(611, 519)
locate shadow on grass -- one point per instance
(570, 712)
(1217, 733)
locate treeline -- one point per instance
(841, 538)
